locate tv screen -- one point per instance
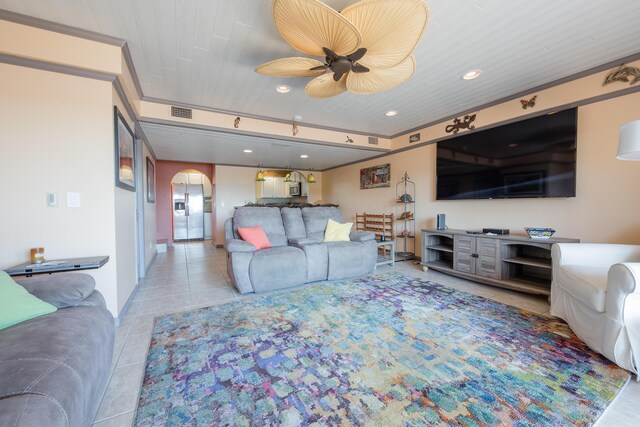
(530, 158)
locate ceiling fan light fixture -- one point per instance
(283, 89)
(391, 113)
(470, 75)
(367, 47)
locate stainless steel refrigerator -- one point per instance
(188, 212)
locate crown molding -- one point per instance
(258, 117)
(172, 123)
(59, 28)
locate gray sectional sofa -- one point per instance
(298, 254)
(54, 368)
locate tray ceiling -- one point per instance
(190, 144)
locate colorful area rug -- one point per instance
(381, 350)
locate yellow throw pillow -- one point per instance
(337, 232)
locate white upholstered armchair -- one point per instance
(596, 290)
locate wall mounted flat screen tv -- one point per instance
(526, 159)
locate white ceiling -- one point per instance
(203, 52)
(190, 144)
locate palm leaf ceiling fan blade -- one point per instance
(367, 47)
(292, 67)
(390, 29)
(310, 25)
(382, 78)
(325, 86)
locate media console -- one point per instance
(513, 262)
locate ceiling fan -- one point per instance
(367, 47)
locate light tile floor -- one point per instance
(194, 275)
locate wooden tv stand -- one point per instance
(513, 262)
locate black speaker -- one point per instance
(441, 222)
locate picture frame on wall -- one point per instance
(151, 182)
(124, 153)
(375, 177)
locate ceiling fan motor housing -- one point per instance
(340, 66)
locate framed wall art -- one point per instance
(375, 177)
(124, 149)
(151, 182)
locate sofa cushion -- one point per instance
(254, 235)
(277, 268)
(237, 245)
(60, 289)
(65, 357)
(304, 241)
(315, 220)
(268, 218)
(293, 223)
(349, 259)
(18, 305)
(586, 283)
(337, 232)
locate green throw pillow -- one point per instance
(18, 305)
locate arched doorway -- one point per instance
(191, 205)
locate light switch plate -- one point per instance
(73, 200)
(52, 200)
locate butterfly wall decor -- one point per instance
(528, 103)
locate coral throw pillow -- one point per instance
(337, 232)
(255, 235)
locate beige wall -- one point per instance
(57, 136)
(605, 209)
(125, 217)
(236, 185)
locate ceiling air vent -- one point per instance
(373, 140)
(182, 113)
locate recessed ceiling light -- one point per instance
(248, 151)
(470, 75)
(391, 113)
(303, 156)
(282, 88)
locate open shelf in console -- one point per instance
(438, 250)
(527, 262)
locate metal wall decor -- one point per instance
(236, 122)
(414, 138)
(458, 124)
(349, 140)
(528, 103)
(624, 74)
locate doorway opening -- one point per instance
(191, 205)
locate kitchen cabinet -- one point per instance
(272, 188)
